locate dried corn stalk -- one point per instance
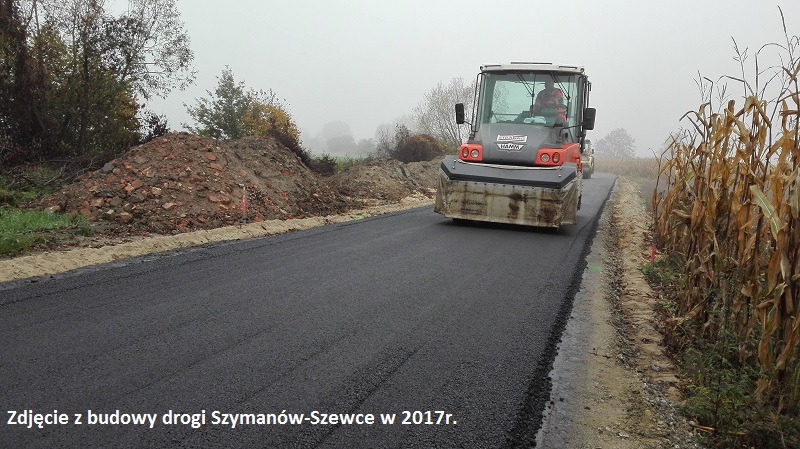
(731, 210)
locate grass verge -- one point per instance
(21, 230)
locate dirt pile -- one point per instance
(181, 182)
(387, 180)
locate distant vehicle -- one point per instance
(522, 161)
(587, 159)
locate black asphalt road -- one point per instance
(405, 314)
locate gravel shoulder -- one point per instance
(614, 385)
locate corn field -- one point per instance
(728, 204)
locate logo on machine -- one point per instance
(510, 146)
(512, 138)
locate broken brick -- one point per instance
(124, 217)
(216, 198)
(208, 194)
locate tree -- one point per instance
(78, 76)
(617, 143)
(335, 128)
(232, 111)
(153, 48)
(64, 101)
(221, 115)
(146, 47)
(365, 146)
(435, 115)
(17, 88)
(388, 141)
(337, 137)
(384, 141)
(341, 144)
(385, 134)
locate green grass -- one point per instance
(347, 161)
(327, 165)
(665, 272)
(21, 230)
(722, 396)
(13, 198)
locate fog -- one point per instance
(363, 64)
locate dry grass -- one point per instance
(641, 171)
(628, 166)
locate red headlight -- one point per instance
(545, 157)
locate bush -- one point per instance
(153, 126)
(418, 147)
(324, 165)
(408, 147)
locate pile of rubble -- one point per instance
(182, 182)
(386, 180)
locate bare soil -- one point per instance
(651, 417)
(182, 190)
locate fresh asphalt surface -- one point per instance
(404, 312)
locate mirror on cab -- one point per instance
(460, 113)
(588, 118)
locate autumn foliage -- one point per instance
(74, 78)
(264, 120)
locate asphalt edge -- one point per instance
(531, 416)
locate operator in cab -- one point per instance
(550, 98)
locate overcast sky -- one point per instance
(369, 62)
